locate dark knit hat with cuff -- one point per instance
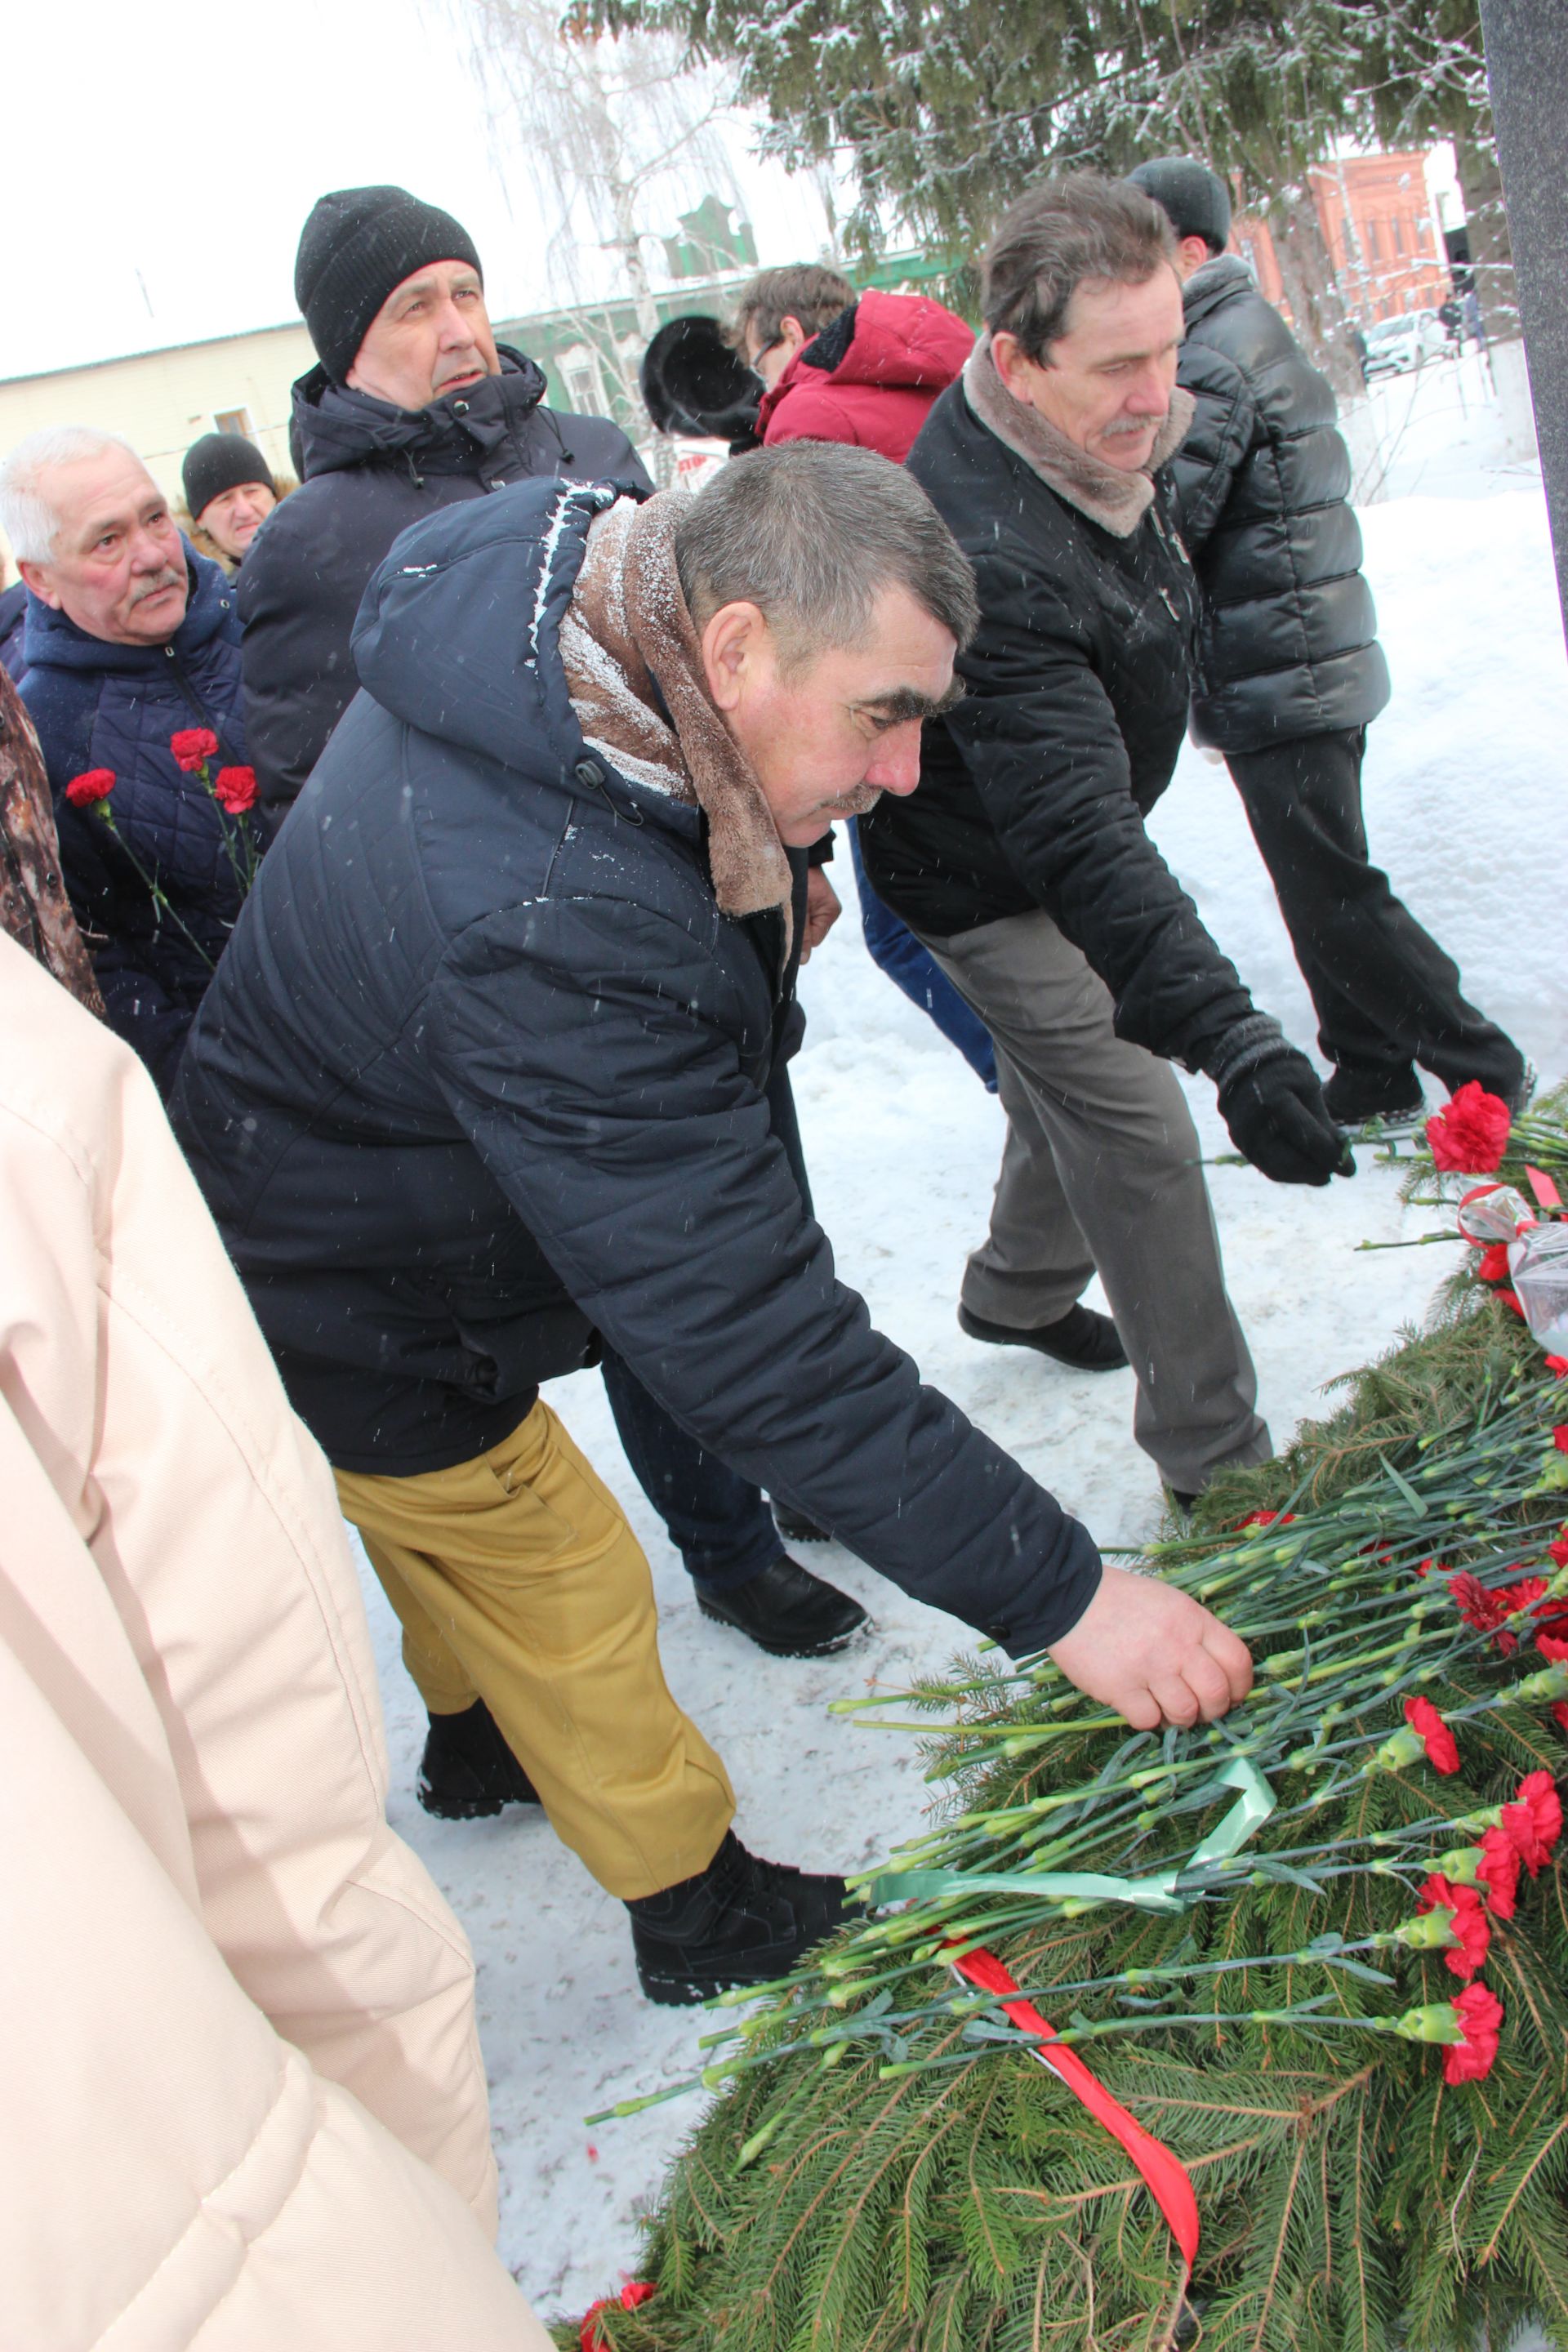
(1196, 199)
(358, 244)
(220, 462)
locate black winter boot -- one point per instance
(1083, 1340)
(795, 1528)
(741, 1921)
(468, 1771)
(1355, 1098)
(787, 1612)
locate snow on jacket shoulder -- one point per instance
(1288, 643)
(242, 2104)
(484, 1073)
(102, 706)
(370, 471)
(1033, 790)
(870, 377)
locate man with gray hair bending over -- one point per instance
(480, 1091)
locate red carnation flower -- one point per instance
(1467, 1923)
(1480, 2013)
(590, 2337)
(1560, 1714)
(1560, 1437)
(92, 784)
(1559, 1365)
(1536, 1824)
(191, 745)
(235, 788)
(1442, 1749)
(1493, 1264)
(1558, 1551)
(1266, 1520)
(1497, 1871)
(1468, 1133)
(1552, 1648)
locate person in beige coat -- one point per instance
(242, 2103)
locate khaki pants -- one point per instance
(518, 1580)
(1101, 1169)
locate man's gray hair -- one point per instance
(812, 533)
(1062, 234)
(27, 520)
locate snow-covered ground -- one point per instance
(1466, 806)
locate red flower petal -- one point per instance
(1469, 1133)
(1497, 1871)
(1560, 1714)
(1442, 1749)
(1557, 1364)
(92, 784)
(1480, 2013)
(191, 745)
(1467, 1922)
(1535, 1822)
(1493, 1265)
(235, 788)
(1560, 1437)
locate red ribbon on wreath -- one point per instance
(1167, 2177)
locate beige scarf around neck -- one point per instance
(626, 633)
(1118, 501)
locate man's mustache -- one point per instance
(155, 587)
(1134, 425)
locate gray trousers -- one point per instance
(1102, 1171)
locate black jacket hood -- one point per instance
(1217, 282)
(457, 634)
(336, 427)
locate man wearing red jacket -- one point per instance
(842, 367)
(866, 369)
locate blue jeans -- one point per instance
(895, 950)
(718, 1521)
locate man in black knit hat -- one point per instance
(413, 406)
(229, 493)
(416, 406)
(1291, 675)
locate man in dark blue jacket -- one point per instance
(1291, 675)
(131, 638)
(482, 1087)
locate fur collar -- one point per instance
(634, 671)
(1115, 500)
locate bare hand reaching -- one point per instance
(822, 911)
(1154, 1655)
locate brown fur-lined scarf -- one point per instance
(627, 632)
(1118, 501)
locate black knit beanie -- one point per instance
(220, 462)
(1196, 199)
(358, 244)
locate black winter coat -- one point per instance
(1032, 790)
(1288, 645)
(370, 471)
(102, 706)
(483, 1075)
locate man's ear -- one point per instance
(730, 645)
(1012, 365)
(37, 576)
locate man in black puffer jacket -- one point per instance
(1291, 674)
(414, 406)
(482, 1083)
(1023, 861)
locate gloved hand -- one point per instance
(1271, 1099)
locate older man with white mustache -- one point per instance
(130, 674)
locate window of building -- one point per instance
(232, 420)
(1399, 236)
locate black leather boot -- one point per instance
(1083, 1340)
(787, 1612)
(741, 1921)
(468, 1771)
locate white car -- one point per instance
(1395, 346)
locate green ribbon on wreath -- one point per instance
(1163, 1892)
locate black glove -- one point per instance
(1272, 1101)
